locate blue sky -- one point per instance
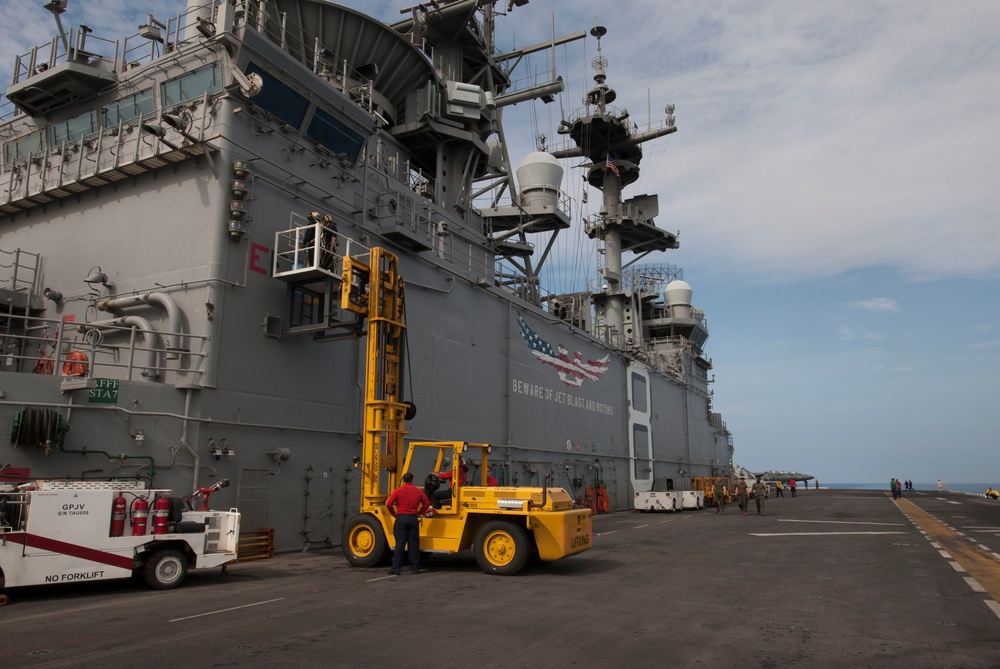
(834, 181)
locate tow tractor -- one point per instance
(504, 526)
(55, 531)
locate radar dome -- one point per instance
(678, 297)
(540, 176)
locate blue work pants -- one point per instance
(406, 531)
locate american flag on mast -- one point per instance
(572, 371)
(610, 164)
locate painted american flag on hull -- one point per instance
(573, 371)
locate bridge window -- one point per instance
(191, 85)
(22, 147)
(74, 128)
(335, 136)
(128, 109)
(279, 99)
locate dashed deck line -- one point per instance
(964, 556)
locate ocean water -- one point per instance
(973, 488)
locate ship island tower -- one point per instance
(642, 310)
(612, 143)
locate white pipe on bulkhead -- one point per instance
(150, 338)
(157, 299)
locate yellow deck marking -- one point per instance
(981, 565)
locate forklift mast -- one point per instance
(374, 291)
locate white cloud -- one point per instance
(814, 141)
(878, 304)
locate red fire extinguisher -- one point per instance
(118, 516)
(140, 515)
(161, 513)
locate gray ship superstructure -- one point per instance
(175, 208)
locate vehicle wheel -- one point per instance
(363, 541)
(165, 569)
(502, 548)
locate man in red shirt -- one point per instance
(442, 496)
(410, 502)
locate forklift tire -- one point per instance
(363, 541)
(165, 569)
(502, 548)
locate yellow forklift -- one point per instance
(707, 485)
(504, 526)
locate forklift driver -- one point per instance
(441, 496)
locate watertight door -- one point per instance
(640, 437)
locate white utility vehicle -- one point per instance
(70, 531)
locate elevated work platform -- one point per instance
(309, 257)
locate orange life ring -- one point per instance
(77, 364)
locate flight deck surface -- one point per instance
(832, 578)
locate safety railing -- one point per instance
(312, 245)
(154, 40)
(107, 155)
(66, 348)
(18, 270)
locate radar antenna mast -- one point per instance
(57, 7)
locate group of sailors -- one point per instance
(897, 487)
